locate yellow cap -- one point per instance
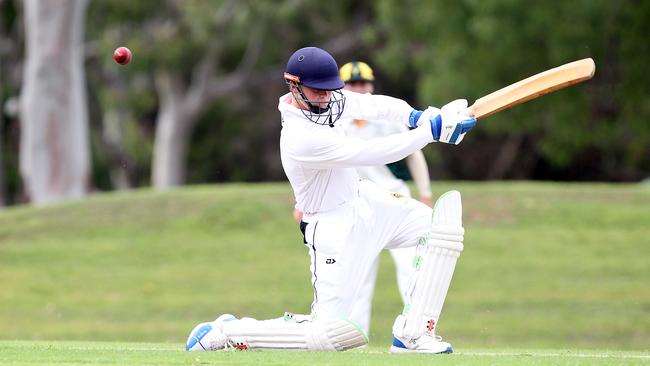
(356, 71)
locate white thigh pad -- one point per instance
(434, 266)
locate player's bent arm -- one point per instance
(375, 107)
(337, 151)
(417, 165)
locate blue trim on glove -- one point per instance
(436, 126)
(414, 117)
(462, 128)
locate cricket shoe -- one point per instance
(427, 343)
(209, 336)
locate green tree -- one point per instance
(470, 48)
(192, 55)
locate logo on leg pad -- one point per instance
(431, 325)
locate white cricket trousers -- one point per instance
(403, 260)
(344, 244)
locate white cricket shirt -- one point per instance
(320, 160)
(380, 174)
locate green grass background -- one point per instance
(115, 353)
(545, 266)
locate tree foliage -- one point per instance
(425, 52)
(467, 49)
(215, 52)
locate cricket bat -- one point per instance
(533, 87)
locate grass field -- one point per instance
(105, 353)
(549, 271)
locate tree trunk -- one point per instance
(54, 148)
(172, 134)
(181, 103)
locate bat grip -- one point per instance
(470, 111)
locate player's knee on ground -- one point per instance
(335, 335)
(296, 332)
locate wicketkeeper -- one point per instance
(347, 221)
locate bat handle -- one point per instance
(470, 111)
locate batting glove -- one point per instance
(449, 124)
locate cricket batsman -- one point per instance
(349, 221)
(359, 77)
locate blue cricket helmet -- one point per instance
(314, 68)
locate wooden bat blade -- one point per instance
(533, 87)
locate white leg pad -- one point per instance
(295, 333)
(434, 264)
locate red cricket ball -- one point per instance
(122, 55)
